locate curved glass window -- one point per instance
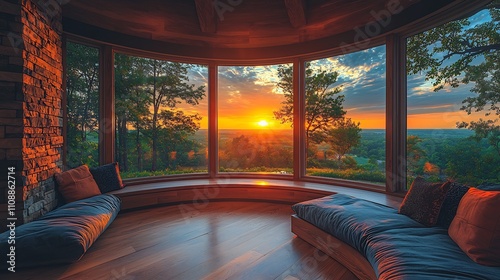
(161, 113)
(345, 116)
(453, 100)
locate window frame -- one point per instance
(455, 12)
(395, 42)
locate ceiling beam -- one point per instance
(206, 15)
(296, 12)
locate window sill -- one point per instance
(202, 190)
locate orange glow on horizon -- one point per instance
(266, 120)
(258, 113)
(442, 120)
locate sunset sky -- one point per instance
(248, 95)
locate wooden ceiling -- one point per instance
(230, 24)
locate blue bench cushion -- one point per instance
(396, 246)
(62, 235)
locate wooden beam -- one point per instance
(206, 16)
(299, 147)
(296, 12)
(396, 114)
(213, 131)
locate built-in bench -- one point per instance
(61, 236)
(203, 190)
(375, 242)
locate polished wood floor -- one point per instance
(216, 240)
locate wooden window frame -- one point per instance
(396, 94)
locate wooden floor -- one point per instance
(216, 240)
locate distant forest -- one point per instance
(154, 138)
(156, 135)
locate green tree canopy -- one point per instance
(168, 86)
(82, 92)
(460, 52)
(323, 103)
(344, 137)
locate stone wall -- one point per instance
(31, 116)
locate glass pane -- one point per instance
(255, 119)
(82, 89)
(161, 117)
(453, 101)
(345, 116)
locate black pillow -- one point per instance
(423, 201)
(489, 187)
(450, 204)
(107, 177)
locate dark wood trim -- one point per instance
(299, 153)
(296, 12)
(223, 192)
(317, 48)
(337, 43)
(286, 191)
(453, 11)
(165, 179)
(396, 80)
(414, 20)
(158, 56)
(238, 189)
(213, 130)
(345, 183)
(395, 114)
(206, 15)
(107, 106)
(64, 102)
(335, 248)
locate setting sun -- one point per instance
(263, 123)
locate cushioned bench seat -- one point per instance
(396, 246)
(62, 235)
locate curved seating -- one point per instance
(373, 240)
(62, 235)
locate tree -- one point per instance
(82, 91)
(239, 152)
(174, 128)
(131, 105)
(469, 164)
(414, 153)
(148, 93)
(460, 53)
(323, 103)
(344, 137)
(168, 87)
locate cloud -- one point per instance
(243, 89)
(247, 90)
(362, 77)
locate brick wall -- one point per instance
(30, 104)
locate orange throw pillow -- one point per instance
(476, 227)
(76, 184)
